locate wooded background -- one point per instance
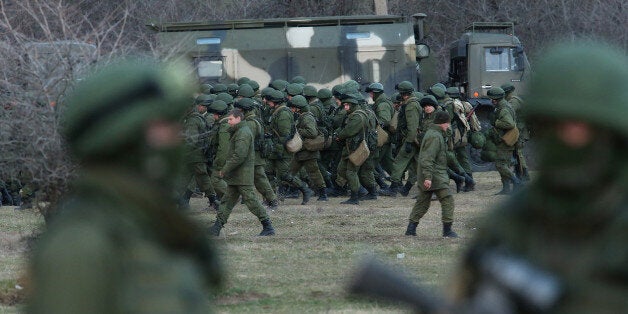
(29, 142)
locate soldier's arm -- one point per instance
(412, 118)
(308, 128)
(352, 128)
(504, 120)
(383, 114)
(190, 131)
(284, 125)
(223, 145)
(427, 157)
(239, 154)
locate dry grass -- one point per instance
(306, 266)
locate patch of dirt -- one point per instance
(238, 298)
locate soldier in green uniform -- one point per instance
(521, 166)
(260, 180)
(238, 173)
(196, 132)
(384, 111)
(307, 128)
(503, 121)
(219, 145)
(432, 176)
(280, 127)
(461, 129)
(117, 244)
(571, 220)
(409, 114)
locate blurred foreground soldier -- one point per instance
(432, 176)
(118, 245)
(503, 122)
(238, 173)
(571, 221)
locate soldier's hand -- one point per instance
(221, 174)
(427, 184)
(408, 147)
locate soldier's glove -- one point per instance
(408, 147)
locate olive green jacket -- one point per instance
(118, 245)
(433, 159)
(517, 104)
(258, 134)
(240, 164)
(306, 125)
(196, 132)
(220, 141)
(384, 110)
(281, 127)
(353, 131)
(410, 124)
(505, 120)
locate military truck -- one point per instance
(324, 50)
(488, 54)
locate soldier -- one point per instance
(384, 111)
(409, 114)
(280, 127)
(521, 166)
(503, 121)
(464, 116)
(119, 245)
(260, 180)
(218, 145)
(433, 178)
(570, 221)
(196, 132)
(294, 89)
(307, 128)
(238, 173)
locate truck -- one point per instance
(332, 50)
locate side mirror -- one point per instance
(422, 51)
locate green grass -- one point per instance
(307, 265)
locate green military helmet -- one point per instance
(232, 89)
(453, 92)
(227, 98)
(254, 85)
(405, 87)
(243, 80)
(206, 88)
(310, 91)
(350, 100)
(441, 117)
(203, 100)
(428, 100)
(582, 80)
(324, 94)
(298, 102)
(335, 91)
(418, 95)
(375, 88)
(507, 87)
(294, 89)
(266, 92)
(277, 96)
(396, 97)
(298, 80)
(438, 90)
(245, 104)
(246, 91)
(495, 93)
(218, 107)
(106, 113)
(351, 86)
(219, 88)
(279, 85)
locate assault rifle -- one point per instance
(508, 285)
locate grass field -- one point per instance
(306, 266)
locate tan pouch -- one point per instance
(511, 137)
(317, 143)
(295, 144)
(360, 154)
(382, 136)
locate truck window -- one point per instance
(209, 68)
(501, 59)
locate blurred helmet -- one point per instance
(206, 88)
(254, 85)
(351, 86)
(375, 88)
(266, 92)
(219, 88)
(243, 80)
(232, 89)
(297, 101)
(428, 100)
(507, 87)
(203, 100)
(310, 91)
(298, 80)
(227, 98)
(495, 93)
(246, 91)
(294, 89)
(245, 104)
(453, 92)
(279, 85)
(277, 96)
(405, 87)
(438, 90)
(418, 95)
(218, 107)
(324, 94)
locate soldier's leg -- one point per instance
(352, 177)
(421, 206)
(252, 202)
(366, 174)
(296, 167)
(314, 173)
(401, 162)
(462, 155)
(220, 186)
(204, 183)
(341, 173)
(262, 184)
(503, 165)
(386, 158)
(447, 205)
(229, 202)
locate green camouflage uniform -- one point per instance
(196, 133)
(504, 120)
(306, 126)
(281, 125)
(260, 179)
(357, 123)
(409, 123)
(384, 111)
(220, 145)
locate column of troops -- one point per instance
(341, 143)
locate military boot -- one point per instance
(268, 228)
(213, 202)
(469, 183)
(505, 187)
(307, 193)
(337, 191)
(353, 200)
(381, 183)
(273, 204)
(281, 192)
(386, 192)
(447, 232)
(215, 229)
(363, 191)
(372, 194)
(458, 179)
(292, 192)
(525, 176)
(411, 230)
(184, 200)
(394, 188)
(405, 190)
(322, 195)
